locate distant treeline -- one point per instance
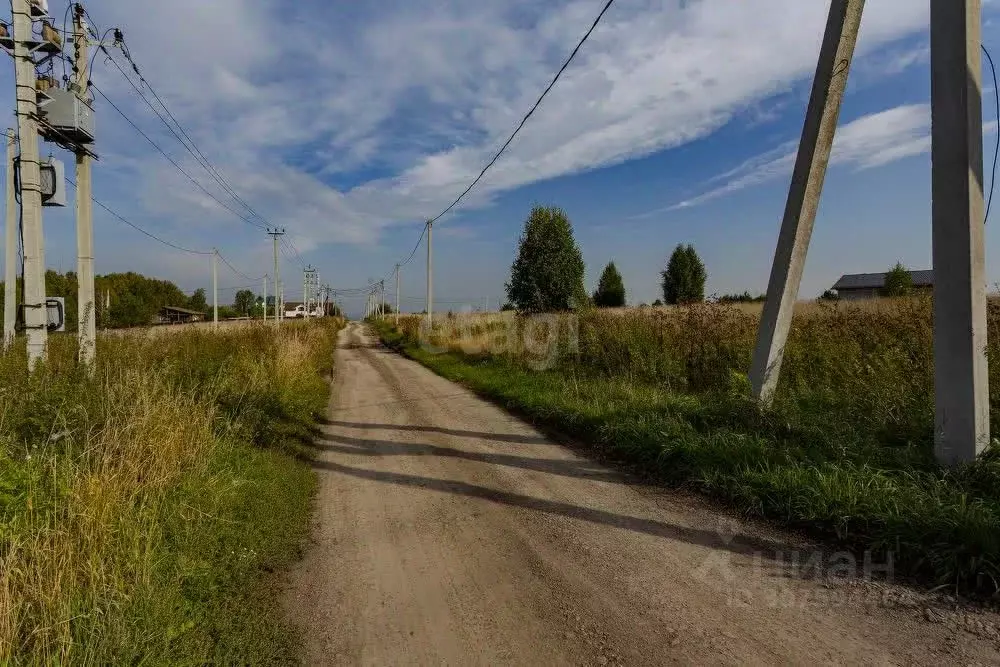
(746, 297)
(135, 299)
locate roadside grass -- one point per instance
(143, 508)
(845, 454)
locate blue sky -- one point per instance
(350, 123)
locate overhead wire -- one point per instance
(184, 138)
(531, 111)
(233, 268)
(174, 162)
(139, 229)
(996, 152)
(517, 130)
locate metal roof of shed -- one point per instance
(877, 280)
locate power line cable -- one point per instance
(531, 111)
(172, 161)
(517, 130)
(139, 229)
(996, 152)
(184, 138)
(234, 269)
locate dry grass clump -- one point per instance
(105, 481)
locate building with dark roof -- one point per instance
(175, 315)
(854, 286)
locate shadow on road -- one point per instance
(581, 469)
(500, 437)
(714, 539)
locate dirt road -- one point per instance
(450, 533)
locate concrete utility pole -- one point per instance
(87, 308)
(265, 297)
(275, 234)
(961, 388)
(35, 312)
(397, 294)
(381, 289)
(835, 58)
(215, 288)
(430, 278)
(10, 249)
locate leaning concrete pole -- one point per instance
(803, 195)
(10, 248)
(961, 389)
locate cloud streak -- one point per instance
(870, 141)
(340, 120)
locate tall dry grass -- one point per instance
(90, 469)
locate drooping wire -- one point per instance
(189, 144)
(510, 139)
(531, 111)
(174, 162)
(139, 229)
(996, 151)
(234, 269)
(193, 149)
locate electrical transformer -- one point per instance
(53, 174)
(55, 313)
(70, 116)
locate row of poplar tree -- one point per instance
(548, 272)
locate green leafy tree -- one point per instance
(198, 301)
(547, 274)
(685, 276)
(244, 302)
(610, 288)
(135, 299)
(898, 281)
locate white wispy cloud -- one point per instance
(870, 141)
(421, 94)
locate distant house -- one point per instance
(855, 286)
(174, 315)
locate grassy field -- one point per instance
(142, 509)
(846, 453)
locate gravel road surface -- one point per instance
(451, 533)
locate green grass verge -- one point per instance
(940, 526)
(145, 510)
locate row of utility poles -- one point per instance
(375, 303)
(74, 130)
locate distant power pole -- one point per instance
(265, 298)
(35, 312)
(430, 278)
(215, 288)
(397, 294)
(276, 234)
(10, 249)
